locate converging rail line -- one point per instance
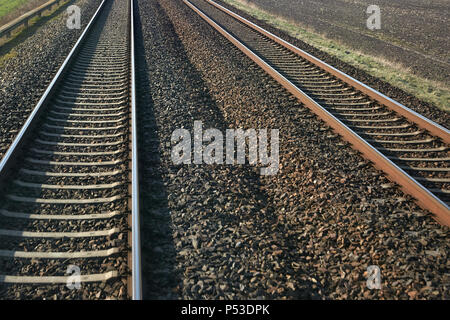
(412, 150)
(69, 204)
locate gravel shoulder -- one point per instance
(225, 232)
(31, 65)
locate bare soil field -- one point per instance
(414, 33)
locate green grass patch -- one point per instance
(10, 54)
(395, 74)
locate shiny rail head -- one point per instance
(135, 219)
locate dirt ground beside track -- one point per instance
(414, 33)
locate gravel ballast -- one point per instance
(33, 63)
(226, 232)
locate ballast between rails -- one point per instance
(424, 197)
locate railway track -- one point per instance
(69, 203)
(412, 150)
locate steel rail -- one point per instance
(135, 223)
(409, 114)
(423, 196)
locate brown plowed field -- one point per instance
(414, 33)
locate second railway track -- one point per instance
(412, 150)
(69, 200)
